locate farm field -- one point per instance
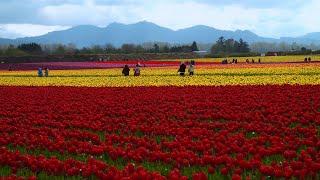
(264, 59)
(235, 121)
(247, 131)
(240, 74)
(283, 60)
(91, 65)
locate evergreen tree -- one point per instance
(31, 48)
(229, 46)
(244, 46)
(156, 48)
(194, 46)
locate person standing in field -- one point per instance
(309, 59)
(182, 69)
(126, 70)
(40, 73)
(46, 72)
(191, 68)
(137, 70)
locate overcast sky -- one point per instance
(271, 18)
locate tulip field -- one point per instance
(236, 121)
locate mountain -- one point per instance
(314, 36)
(6, 41)
(80, 35)
(141, 32)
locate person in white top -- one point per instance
(137, 70)
(191, 68)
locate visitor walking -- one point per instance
(40, 73)
(182, 69)
(126, 70)
(137, 70)
(191, 68)
(46, 72)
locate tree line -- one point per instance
(228, 46)
(221, 48)
(60, 49)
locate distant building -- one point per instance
(273, 53)
(201, 53)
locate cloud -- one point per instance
(87, 13)
(271, 18)
(26, 30)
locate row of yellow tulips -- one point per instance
(302, 74)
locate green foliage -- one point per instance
(156, 48)
(194, 46)
(278, 158)
(30, 48)
(12, 51)
(223, 46)
(5, 171)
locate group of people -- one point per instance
(225, 61)
(183, 67)
(40, 72)
(126, 70)
(235, 61)
(307, 60)
(181, 70)
(252, 61)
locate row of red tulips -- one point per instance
(273, 130)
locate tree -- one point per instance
(12, 51)
(60, 50)
(303, 49)
(31, 48)
(71, 48)
(194, 46)
(85, 51)
(244, 46)
(229, 46)
(219, 46)
(128, 48)
(165, 49)
(156, 48)
(110, 49)
(97, 49)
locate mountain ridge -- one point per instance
(144, 31)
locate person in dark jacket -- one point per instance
(126, 70)
(40, 73)
(182, 69)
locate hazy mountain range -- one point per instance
(141, 32)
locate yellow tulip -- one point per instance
(204, 76)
